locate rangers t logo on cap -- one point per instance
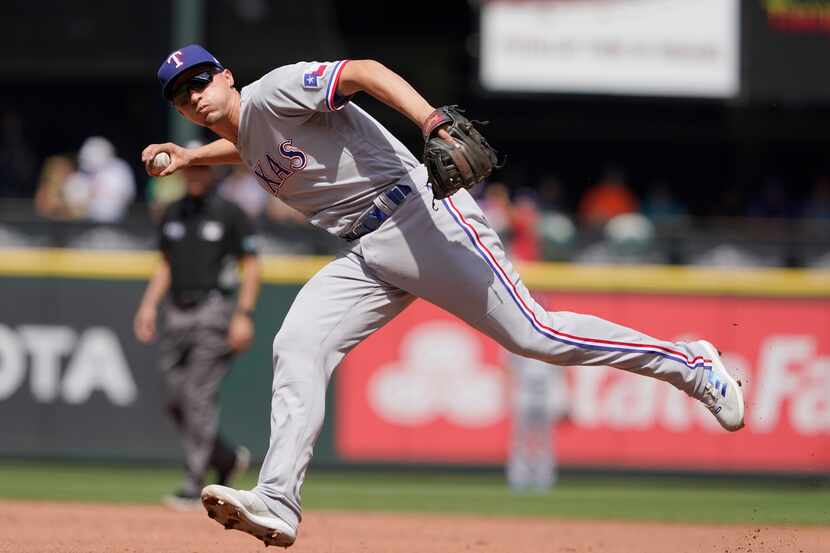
(174, 58)
(180, 61)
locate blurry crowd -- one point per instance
(112, 204)
(99, 186)
(608, 221)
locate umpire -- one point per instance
(201, 237)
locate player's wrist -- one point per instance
(434, 119)
(188, 156)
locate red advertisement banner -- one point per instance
(429, 388)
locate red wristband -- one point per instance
(433, 121)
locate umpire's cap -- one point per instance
(180, 61)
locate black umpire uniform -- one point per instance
(202, 238)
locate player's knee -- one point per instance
(296, 346)
(285, 337)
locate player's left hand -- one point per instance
(240, 332)
(442, 132)
(456, 155)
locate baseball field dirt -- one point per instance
(66, 527)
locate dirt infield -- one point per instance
(28, 527)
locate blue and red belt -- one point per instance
(383, 206)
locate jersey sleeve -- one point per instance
(303, 87)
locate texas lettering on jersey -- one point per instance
(273, 173)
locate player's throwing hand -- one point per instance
(179, 158)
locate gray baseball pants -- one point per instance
(194, 358)
(446, 253)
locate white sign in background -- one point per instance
(683, 48)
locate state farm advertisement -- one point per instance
(428, 388)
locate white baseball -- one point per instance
(161, 160)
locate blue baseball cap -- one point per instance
(180, 61)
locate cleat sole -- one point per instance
(233, 518)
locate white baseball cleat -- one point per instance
(722, 395)
(243, 510)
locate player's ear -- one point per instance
(229, 76)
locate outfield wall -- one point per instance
(75, 383)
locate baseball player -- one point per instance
(308, 143)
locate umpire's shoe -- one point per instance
(243, 510)
(722, 395)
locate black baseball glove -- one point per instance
(454, 166)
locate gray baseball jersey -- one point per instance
(316, 151)
(329, 159)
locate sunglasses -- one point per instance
(196, 82)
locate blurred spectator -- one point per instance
(516, 222)
(628, 239)
(17, 161)
(242, 188)
(524, 227)
(610, 197)
(495, 203)
(50, 198)
(660, 202)
(771, 201)
(557, 234)
(731, 255)
(103, 187)
(817, 205)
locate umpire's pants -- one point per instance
(194, 357)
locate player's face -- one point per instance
(203, 95)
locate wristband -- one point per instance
(433, 121)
